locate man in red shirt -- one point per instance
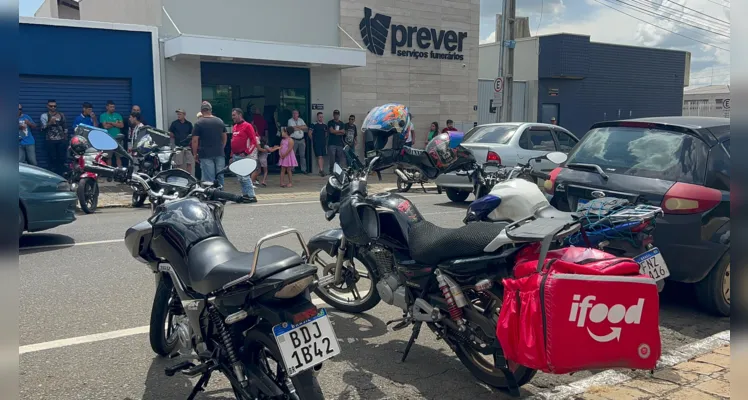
(450, 127)
(244, 143)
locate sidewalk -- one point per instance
(697, 371)
(305, 187)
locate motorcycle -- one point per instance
(237, 312)
(152, 154)
(406, 177)
(509, 194)
(84, 184)
(449, 279)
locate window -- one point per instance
(490, 134)
(566, 142)
(650, 153)
(538, 140)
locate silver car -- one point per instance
(508, 143)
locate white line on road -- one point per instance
(98, 337)
(52, 246)
(290, 203)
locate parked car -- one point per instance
(44, 200)
(508, 143)
(681, 164)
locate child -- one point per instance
(287, 160)
(264, 150)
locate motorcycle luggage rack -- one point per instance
(262, 240)
(543, 230)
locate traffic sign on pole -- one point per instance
(498, 88)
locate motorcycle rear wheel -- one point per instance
(261, 348)
(88, 195)
(403, 186)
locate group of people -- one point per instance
(56, 129)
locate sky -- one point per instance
(703, 20)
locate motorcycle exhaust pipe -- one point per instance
(402, 175)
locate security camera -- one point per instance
(463, 65)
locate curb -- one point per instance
(611, 377)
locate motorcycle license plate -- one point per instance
(651, 263)
(307, 343)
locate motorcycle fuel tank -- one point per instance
(184, 223)
(519, 199)
(396, 214)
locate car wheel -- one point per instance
(458, 196)
(713, 292)
(21, 222)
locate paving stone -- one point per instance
(689, 394)
(698, 367)
(716, 387)
(654, 386)
(719, 360)
(677, 377)
(589, 396)
(723, 350)
(618, 393)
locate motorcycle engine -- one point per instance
(184, 333)
(390, 287)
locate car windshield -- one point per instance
(650, 153)
(490, 134)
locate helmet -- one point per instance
(79, 145)
(387, 119)
(145, 144)
(447, 158)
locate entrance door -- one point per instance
(548, 111)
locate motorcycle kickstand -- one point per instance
(200, 385)
(413, 337)
(500, 362)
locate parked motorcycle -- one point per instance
(406, 177)
(152, 154)
(508, 194)
(85, 184)
(238, 312)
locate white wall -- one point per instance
(66, 12)
(139, 12)
(325, 87)
(182, 78)
(525, 60)
(290, 21)
(488, 61)
(48, 9)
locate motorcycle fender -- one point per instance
(327, 241)
(277, 312)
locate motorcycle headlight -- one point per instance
(294, 288)
(164, 157)
(63, 187)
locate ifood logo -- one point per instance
(600, 312)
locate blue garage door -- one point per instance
(70, 94)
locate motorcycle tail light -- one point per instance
(304, 315)
(492, 156)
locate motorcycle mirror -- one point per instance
(243, 167)
(556, 157)
(100, 140)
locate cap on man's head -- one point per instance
(206, 106)
(179, 110)
(336, 112)
(553, 118)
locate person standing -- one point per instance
(113, 122)
(86, 117)
(318, 132)
(450, 127)
(179, 130)
(335, 141)
(261, 126)
(244, 142)
(287, 160)
(433, 131)
(26, 144)
(56, 136)
(351, 132)
(299, 144)
(410, 133)
(553, 121)
(208, 141)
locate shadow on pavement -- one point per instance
(680, 312)
(158, 386)
(31, 243)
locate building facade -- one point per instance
(321, 55)
(580, 82)
(707, 101)
(130, 77)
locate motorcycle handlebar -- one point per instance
(106, 172)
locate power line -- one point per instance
(655, 14)
(689, 8)
(657, 6)
(664, 29)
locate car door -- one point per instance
(536, 141)
(565, 141)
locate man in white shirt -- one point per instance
(298, 136)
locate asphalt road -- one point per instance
(78, 280)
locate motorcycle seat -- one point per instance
(552, 212)
(431, 244)
(215, 262)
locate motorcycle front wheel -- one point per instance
(346, 296)
(88, 195)
(262, 351)
(166, 308)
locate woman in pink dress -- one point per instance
(287, 160)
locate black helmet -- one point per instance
(79, 145)
(447, 158)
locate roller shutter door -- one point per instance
(70, 94)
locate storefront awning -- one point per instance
(264, 52)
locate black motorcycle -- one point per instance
(406, 177)
(449, 279)
(246, 315)
(152, 153)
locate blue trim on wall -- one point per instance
(595, 80)
(62, 51)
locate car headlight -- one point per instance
(63, 187)
(294, 288)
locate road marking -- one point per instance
(290, 203)
(98, 337)
(52, 246)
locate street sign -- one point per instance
(498, 85)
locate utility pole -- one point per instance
(506, 61)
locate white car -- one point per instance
(508, 143)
